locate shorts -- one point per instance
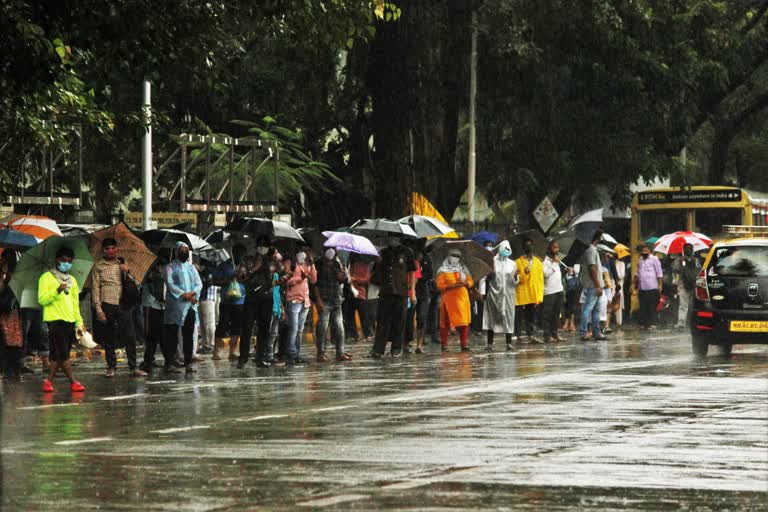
(62, 337)
(230, 318)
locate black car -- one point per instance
(731, 299)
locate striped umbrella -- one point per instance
(36, 225)
(673, 243)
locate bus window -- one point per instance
(661, 222)
(710, 221)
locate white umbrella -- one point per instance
(426, 226)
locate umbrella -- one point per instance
(605, 248)
(586, 224)
(260, 227)
(39, 259)
(425, 226)
(608, 240)
(158, 238)
(540, 242)
(485, 236)
(137, 255)
(652, 241)
(12, 239)
(673, 242)
(350, 243)
(478, 260)
(382, 228)
(622, 251)
(36, 225)
(217, 237)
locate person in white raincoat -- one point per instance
(498, 294)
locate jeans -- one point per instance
(332, 315)
(297, 317)
(550, 314)
(116, 331)
(648, 299)
(590, 309)
(390, 323)
(207, 323)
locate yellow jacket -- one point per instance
(531, 287)
(59, 306)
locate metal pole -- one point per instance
(80, 167)
(277, 168)
(232, 175)
(208, 178)
(146, 158)
(472, 135)
(182, 181)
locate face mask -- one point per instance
(64, 266)
(300, 257)
(528, 249)
(453, 260)
(505, 253)
(184, 256)
(688, 252)
(489, 248)
(329, 254)
(262, 250)
(645, 256)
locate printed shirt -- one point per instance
(107, 283)
(648, 273)
(328, 285)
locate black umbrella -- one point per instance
(373, 228)
(478, 260)
(259, 227)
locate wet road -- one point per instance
(634, 423)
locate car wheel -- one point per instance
(700, 345)
(725, 349)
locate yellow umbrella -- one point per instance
(622, 251)
(422, 206)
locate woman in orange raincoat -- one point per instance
(453, 281)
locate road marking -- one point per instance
(151, 383)
(123, 397)
(335, 408)
(33, 407)
(259, 418)
(83, 441)
(333, 500)
(179, 429)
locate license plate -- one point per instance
(749, 326)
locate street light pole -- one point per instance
(146, 158)
(472, 134)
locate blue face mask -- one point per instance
(64, 266)
(505, 253)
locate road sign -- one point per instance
(545, 214)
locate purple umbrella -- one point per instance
(350, 243)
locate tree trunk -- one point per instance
(416, 77)
(718, 158)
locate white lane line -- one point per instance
(259, 418)
(179, 429)
(333, 500)
(123, 397)
(409, 484)
(33, 407)
(335, 408)
(152, 383)
(83, 441)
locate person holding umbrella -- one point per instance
(58, 294)
(497, 292)
(182, 293)
(648, 283)
(331, 277)
(454, 281)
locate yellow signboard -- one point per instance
(163, 219)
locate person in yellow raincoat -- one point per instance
(453, 280)
(530, 292)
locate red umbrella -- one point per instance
(673, 243)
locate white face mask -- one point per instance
(489, 248)
(454, 260)
(262, 250)
(301, 257)
(330, 253)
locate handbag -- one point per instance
(85, 340)
(10, 323)
(234, 291)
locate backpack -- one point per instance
(572, 283)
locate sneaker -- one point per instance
(77, 387)
(233, 357)
(395, 353)
(343, 357)
(533, 339)
(322, 358)
(109, 373)
(47, 386)
(607, 330)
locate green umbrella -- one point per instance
(652, 241)
(40, 259)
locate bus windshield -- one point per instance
(660, 222)
(710, 221)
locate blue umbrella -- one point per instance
(485, 236)
(12, 239)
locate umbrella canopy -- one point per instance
(485, 236)
(652, 241)
(382, 228)
(40, 259)
(425, 226)
(259, 227)
(350, 243)
(673, 242)
(608, 240)
(622, 251)
(478, 260)
(36, 225)
(12, 239)
(585, 225)
(540, 242)
(157, 238)
(137, 255)
(218, 237)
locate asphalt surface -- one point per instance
(635, 423)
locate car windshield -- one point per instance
(741, 261)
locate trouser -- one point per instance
(330, 315)
(348, 310)
(684, 308)
(463, 335)
(116, 331)
(409, 330)
(297, 316)
(207, 323)
(648, 299)
(507, 336)
(550, 314)
(260, 314)
(153, 335)
(433, 316)
(171, 338)
(34, 335)
(524, 319)
(590, 310)
(390, 322)
(274, 332)
(619, 313)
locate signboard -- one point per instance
(690, 196)
(545, 214)
(161, 219)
